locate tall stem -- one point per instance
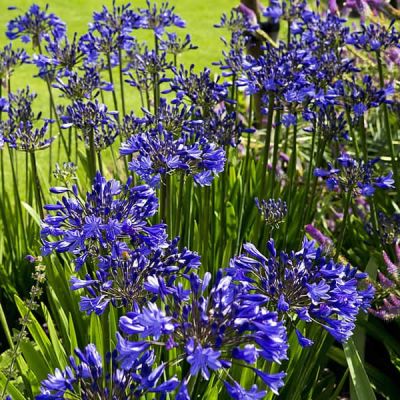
(347, 203)
(387, 126)
(92, 155)
(36, 184)
(266, 146)
(53, 105)
(110, 74)
(121, 82)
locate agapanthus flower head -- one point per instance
(272, 211)
(90, 377)
(139, 276)
(157, 18)
(66, 174)
(355, 176)
(80, 87)
(200, 89)
(104, 223)
(387, 300)
(375, 37)
(144, 65)
(325, 119)
(364, 95)
(175, 45)
(61, 58)
(224, 128)
(305, 284)
(10, 59)
(210, 328)
(110, 32)
(27, 137)
(160, 153)
(274, 10)
(240, 21)
(35, 24)
(92, 117)
(21, 130)
(388, 227)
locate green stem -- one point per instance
(110, 74)
(352, 134)
(163, 200)
(267, 143)
(347, 203)
(276, 148)
(178, 211)
(36, 184)
(17, 197)
(121, 81)
(53, 105)
(292, 172)
(387, 126)
(92, 156)
(363, 134)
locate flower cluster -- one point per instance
(375, 37)
(136, 277)
(111, 215)
(304, 285)
(157, 19)
(90, 378)
(34, 25)
(80, 87)
(209, 328)
(92, 118)
(20, 130)
(169, 144)
(61, 58)
(109, 33)
(354, 176)
(272, 211)
(9, 59)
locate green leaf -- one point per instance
(31, 212)
(11, 389)
(39, 336)
(55, 341)
(358, 375)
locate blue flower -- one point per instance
(149, 322)
(110, 214)
(10, 59)
(157, 19)
(201, 359)
(19, 130)
(303, 284)
(34, 25)
(90, 377)
(92, 117)
(355, 176)
(207, 324)
(80, 87)
(238, 393)
(167, 144)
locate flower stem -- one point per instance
(387, 126)
(36, 184)
(347, 203)
(267, 143)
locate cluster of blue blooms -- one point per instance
(20, 129)
(354, 176)
(172, 314)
